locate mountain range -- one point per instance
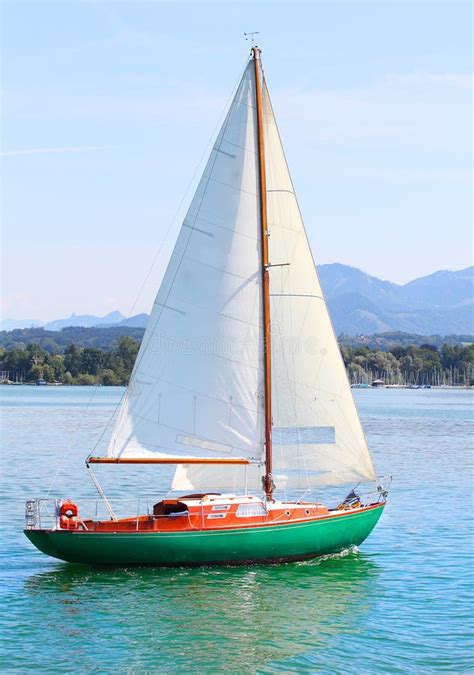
(78, 320)
(441, 303)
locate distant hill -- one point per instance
(78, 320)
(441, 289)
(360, 304)
(137, 321)
(438, 304)
(85, 320)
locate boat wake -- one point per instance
(330, 556)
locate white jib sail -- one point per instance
(317, 436)
(197, 386)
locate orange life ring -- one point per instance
(68, 519)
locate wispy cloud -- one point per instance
(425, 77)
(47, 151)
(423, 109)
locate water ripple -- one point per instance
(401, 604)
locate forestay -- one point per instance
(196, 389)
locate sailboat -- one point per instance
(239, 382)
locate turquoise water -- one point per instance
(403, 603)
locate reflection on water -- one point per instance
(239, 618)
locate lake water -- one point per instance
(403, 603)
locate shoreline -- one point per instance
(367, 387)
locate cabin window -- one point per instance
(216, 515)
(250, 510)
(169, 508)
(221, 507)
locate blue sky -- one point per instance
(109, 107)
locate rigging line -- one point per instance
(101, 492)
(191, 181)
(217, 145)
(107, 424)
(212, 141)
(72, 439)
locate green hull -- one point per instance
(296, 541)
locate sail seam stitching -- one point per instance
(213, 398)
(227, 229)
(241, 147)
(219, 269)
(233, 187)
(213, 311)
(228, 154)
(197, 229)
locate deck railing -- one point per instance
(43, 513)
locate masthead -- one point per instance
(250, 37)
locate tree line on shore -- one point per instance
(76, 365)
(402, 365)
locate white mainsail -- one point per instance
(197, 388)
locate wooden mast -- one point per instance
(267, 352)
